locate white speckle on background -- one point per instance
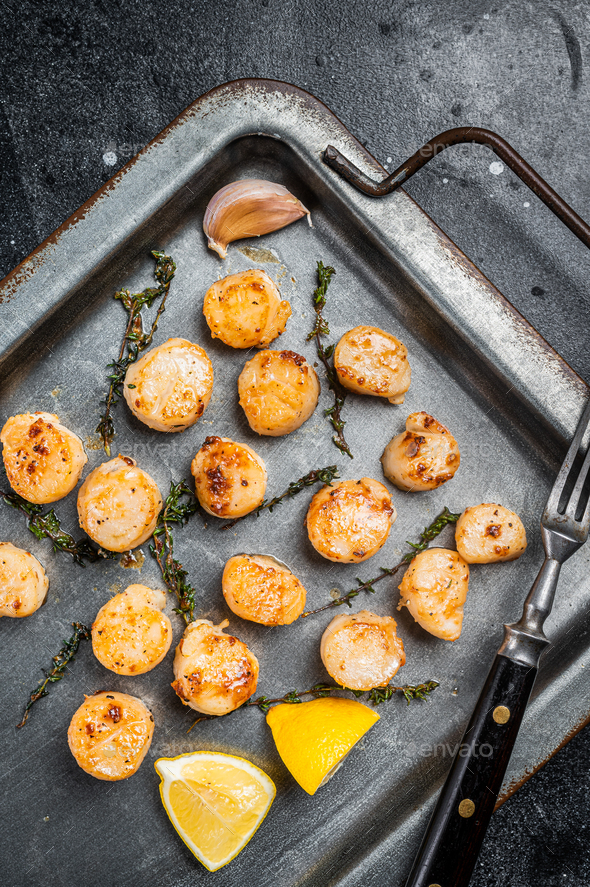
(526, 203)
(389, 159)
(496, 168)
(445, 181)
(109, 158)
(12, 242)
(486, 15)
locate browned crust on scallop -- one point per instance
(334, 510)
(228, 671)
(223, 469)
(45, 446)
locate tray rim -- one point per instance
(25, 274)
(236, 90)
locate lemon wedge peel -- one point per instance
(314, 737)
(236, 832)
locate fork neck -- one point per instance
(525, 640)
(540, 598)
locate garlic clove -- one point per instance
(249, 208)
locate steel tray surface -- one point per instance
(477, 366)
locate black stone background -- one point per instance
(80, 79)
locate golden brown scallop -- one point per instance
(170, 386)
(230, 478)
(370, 361)
(488, 534)
(43, 459)
(23, 583)
(278, 391)
(119, 504)
(261, 589)
(110, 734)
(362, 650)
(434, 589)
(349, 521)
(422, 457)
(131, 634)
(245, 310)
(215, 673)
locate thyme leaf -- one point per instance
(58, 669)
(134, 339)
(421, 691)
(319, 475)
(46, 525)
(175, 511)
(320, 329)
(427, 535)
(431, 532)
(376, 696)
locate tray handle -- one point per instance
(461, 135)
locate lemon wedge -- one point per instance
(313, 738)
(215, 802)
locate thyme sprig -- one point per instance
(46, 525)
(376, 696)
(134, 339)
(431, 532)
(175, 511)
(58, 669)
(427, 535)
(319, 475)
(420, 691)
(294, 696)
(320, 329)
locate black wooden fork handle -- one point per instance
(458, 826)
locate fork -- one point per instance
(454, 836)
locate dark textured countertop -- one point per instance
(85, 86)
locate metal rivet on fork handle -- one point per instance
(501, 714)
(466, 808)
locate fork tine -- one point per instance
(585, 519)
(560, 480)
(572, 505)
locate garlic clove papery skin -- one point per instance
(249, 208)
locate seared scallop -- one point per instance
(259, 588)
(246, 310)
(362, 651)
(370, 361)
(350, 521)
(170, 386)
(43, 459)
(23, 583)
(434, 590)
(278, 391)
(422, 457)
(119, 504)
(110, 734)
(230, 478)
(215, 672)
(131, 634)
(486, 534)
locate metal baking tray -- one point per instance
(477, 365)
